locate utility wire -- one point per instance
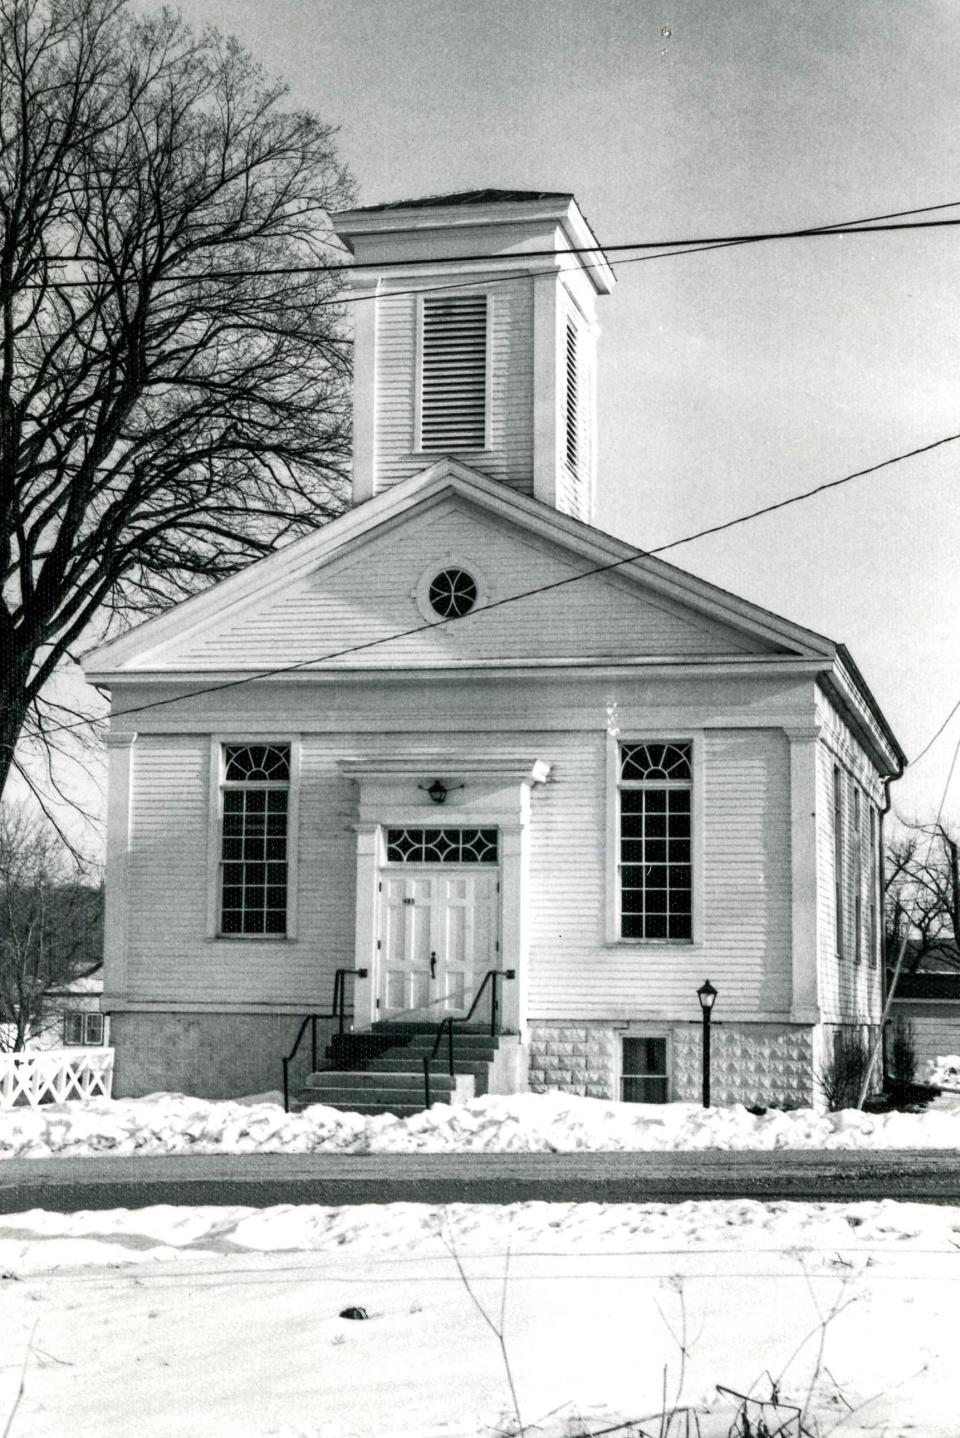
(631, 558)
(930, 742)
(871, 224)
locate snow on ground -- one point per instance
(551, 1122)
(217, 1321)
(226, 1321)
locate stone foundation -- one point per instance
(578, 1058)
(208, 1055)
(753, 1064)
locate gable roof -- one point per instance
(602, 552)
(138, 653)
(468, 197)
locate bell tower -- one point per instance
(476, 337)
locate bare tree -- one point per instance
(172, 368)
(50, 925)
(922, 895)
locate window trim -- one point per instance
(435, 454)
(218, 743)
(642, 1031)
(663, 735)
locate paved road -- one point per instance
(259, 1180)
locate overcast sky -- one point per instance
(728, 380)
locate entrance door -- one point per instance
(438, 937)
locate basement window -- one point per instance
(643, 1070)
(453, 373)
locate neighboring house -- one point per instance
(72, 1018)
(644, 781)
(929, 1001)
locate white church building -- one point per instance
(479, 735)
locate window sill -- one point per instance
(686, 945)
(432, 455)
(250, 938)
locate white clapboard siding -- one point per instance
(745, 884)
(170, 957)
(510, 457)
(850, 992)
(373, 597)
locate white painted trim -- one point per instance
(664, 733)
(120, 760)
(214, 823)
(804, 874)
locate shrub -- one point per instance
(841, 1076)
(902, 1054)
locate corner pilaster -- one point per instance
(805, 997)
(119, 776)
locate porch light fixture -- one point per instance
(706, 994)
(438, 790)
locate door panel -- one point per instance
(438, 938)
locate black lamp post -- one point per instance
(707, 994)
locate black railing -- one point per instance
(490, 977)
(337, 1012)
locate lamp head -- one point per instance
(707, 994)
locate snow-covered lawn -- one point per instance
(552, 1122)
(225, 1321)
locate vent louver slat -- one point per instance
(572, 417)
(453, 410)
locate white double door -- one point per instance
(439, 930)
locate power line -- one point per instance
(930, 742)
(631, 558)
(892, 221)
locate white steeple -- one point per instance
(476, 337)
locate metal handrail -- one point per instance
(490, 977)
(338, 1012)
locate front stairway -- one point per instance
(381, 1069)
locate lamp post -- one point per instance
(706, 994)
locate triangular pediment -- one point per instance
(355, 595)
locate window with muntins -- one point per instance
(453, 375)
(84, 1029)
(655, 823)
(838, 852)
(857, 877)
(253, 854)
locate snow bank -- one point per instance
(521, 1123)
(38, 1241)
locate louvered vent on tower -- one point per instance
(453, 389)
(572, 405)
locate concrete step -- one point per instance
(411, 1078)
(400, 1094)
(399, 1110)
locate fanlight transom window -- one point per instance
(256, 763)
(655, 761)
(442, 846)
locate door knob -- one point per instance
(433, 964)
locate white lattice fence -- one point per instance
(54, 1075)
